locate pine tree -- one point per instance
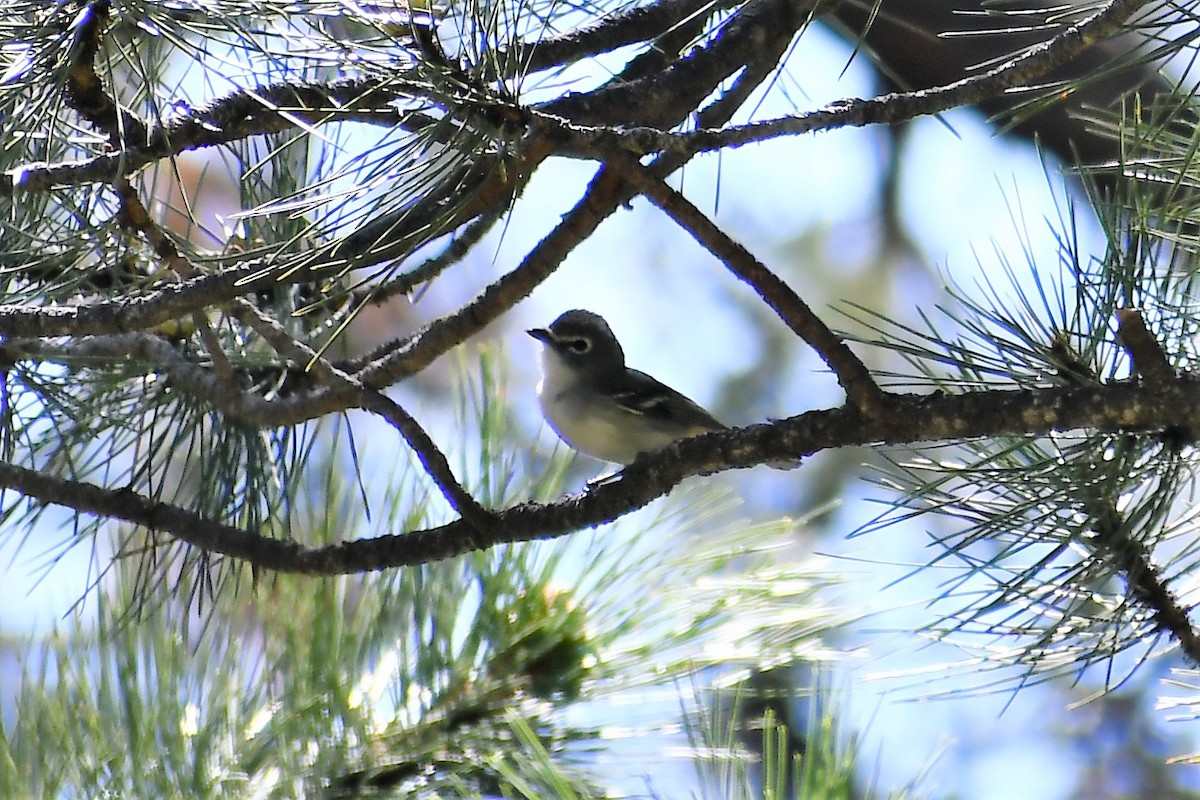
(216, 216)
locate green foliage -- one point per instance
(1049, 543)
(454, 678)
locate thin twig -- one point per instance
(425, 272)
(158, 355)
(852, 373)
(132, 215)
(889, 109)
(428, 453)
(237, 116)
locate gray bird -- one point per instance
(601, 407)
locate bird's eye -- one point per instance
(579, 345)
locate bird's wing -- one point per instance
(654, 399)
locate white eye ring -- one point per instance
(580, 345)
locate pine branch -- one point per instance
(1146, 581)
(629, 27)
(84, 90)
(222, 120)
(253, 112)
(852, 373)
(888, 109)
(910, 419)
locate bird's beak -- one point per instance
(541, 334)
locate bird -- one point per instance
(601, 407)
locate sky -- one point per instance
(964, 192)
